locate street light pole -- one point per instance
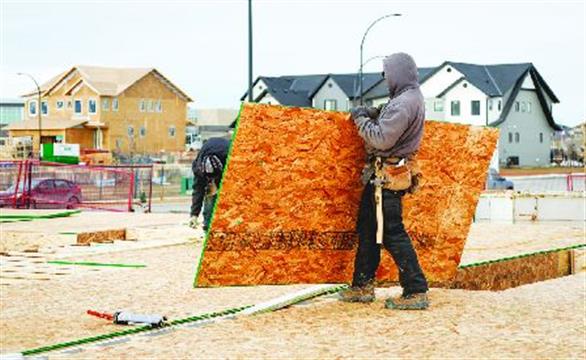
(355, 81)
(250, 98)
(38, 107)
(362, 46)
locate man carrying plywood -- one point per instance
(392, 136)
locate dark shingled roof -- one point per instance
(383, 91)
(350, 85)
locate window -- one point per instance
(61, 185)
(150, 105)
(119, 143)
(91, 106)
(105, 104)
(142, 105)
(528, 106)
(171, 131)
(455, 108)
(517, 137)
(59, 104)
(517, 106)
(510, 138)
(115, 104)
(77, 107)
(142, 131)
(69, 104)
(159, 106)
(130, 131)
(499, 105)
(541, 138)
(438, 105)
(44, 107)
(32, 107)
(523, 106)
(490, 105)
(330, 104)
(475, 105)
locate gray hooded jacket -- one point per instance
(398, 129)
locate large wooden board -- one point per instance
(289, 199)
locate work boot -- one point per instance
(418, 301)
(362, 294)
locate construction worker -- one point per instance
(207, 173)
(391, 135)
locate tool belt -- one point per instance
(397, 174)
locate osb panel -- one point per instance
(290, 195)
(85, 238)
(506, 274)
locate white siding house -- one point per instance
(512, 97)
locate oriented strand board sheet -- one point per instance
(501, 275)
(289, 199)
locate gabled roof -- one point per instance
(290, 97)
(297, 86)
(46, 85)
(109, 81)
(452, 85)
(540, 96)
(383, 91)
(493, 80)
(349, 83)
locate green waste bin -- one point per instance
(186, 184)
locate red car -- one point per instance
(43, 194)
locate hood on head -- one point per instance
(400, 73)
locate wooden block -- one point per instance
(289, 199)
(102, 236)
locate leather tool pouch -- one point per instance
(403, 177)
(397, 178)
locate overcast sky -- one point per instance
(202, 45)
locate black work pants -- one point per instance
(208, 207)
(395, 240)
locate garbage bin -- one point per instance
(186, 185)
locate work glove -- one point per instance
(373, 112)
(193, 222)
(358, 112)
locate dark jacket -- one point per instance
(398, 129)
(217, 147)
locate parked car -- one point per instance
(496, 182)
(43, 194)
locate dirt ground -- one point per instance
(535, 321)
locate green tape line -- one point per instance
(136, 330)
(83, 263)
(39, 216)
(127, 332)
(541, 252)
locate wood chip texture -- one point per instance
(289, 199)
